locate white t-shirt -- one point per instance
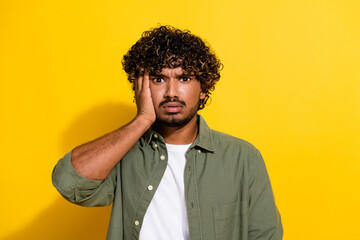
(166, 216)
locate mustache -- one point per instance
(172, 100)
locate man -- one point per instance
(168, 175)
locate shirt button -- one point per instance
(199, 151)
(150, 187)
(155, 145)
(137, 223)
(155, 135)
(162, 157)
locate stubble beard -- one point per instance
(172, 121)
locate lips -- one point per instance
(172, 107)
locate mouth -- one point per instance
(172, 107)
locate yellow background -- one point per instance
(290, 86)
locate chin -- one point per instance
(174, 121)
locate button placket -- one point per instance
(160, 156)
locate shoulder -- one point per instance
(232, 149)
(224, 139)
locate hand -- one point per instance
(144, 101)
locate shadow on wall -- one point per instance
(63, 220)
(95, 123)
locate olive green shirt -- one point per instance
(227, 189)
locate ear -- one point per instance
(202, 95)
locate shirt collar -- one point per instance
(203, 140)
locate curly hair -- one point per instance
(168, 47)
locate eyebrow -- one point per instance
(178, 76)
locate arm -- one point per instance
(264, 217)
(96, 159)
(87, 175)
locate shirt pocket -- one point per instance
(227, 221)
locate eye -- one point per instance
(185, 79)
(158, 80)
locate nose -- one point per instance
(172, 89)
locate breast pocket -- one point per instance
(227, 221)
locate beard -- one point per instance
(171, 120)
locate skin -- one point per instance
(175, 121)
(175, 98)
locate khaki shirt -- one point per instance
(227, 188)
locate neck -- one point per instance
(179, 135)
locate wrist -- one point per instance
(142, 119)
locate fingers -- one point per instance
(138, 85)
(146, 80)
(142, 83)
(143, 97)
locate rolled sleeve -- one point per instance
(80, 190)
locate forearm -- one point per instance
(96, 159)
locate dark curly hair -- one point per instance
(168, 47)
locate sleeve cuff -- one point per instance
(64, 177)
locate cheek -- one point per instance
(195, 93)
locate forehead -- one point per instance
(170, 72)
(177, 72)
